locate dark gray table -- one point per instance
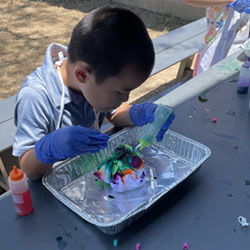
(202, 211)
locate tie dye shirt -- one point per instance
(216, 18)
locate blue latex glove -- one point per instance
(240, 6)
(69, 142)
(141, 114)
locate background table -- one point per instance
(202, 211)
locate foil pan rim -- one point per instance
(144, 206)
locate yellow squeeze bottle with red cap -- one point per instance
(20, 192)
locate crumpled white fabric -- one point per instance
(129, 182)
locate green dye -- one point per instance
(202, 99)
(102, 184)
(229, 67)
(115, 243)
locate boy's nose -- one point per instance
(125, 97)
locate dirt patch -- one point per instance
(28, 27)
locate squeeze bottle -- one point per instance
(244, 78)
(20, 192)
(151, 130)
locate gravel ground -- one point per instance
(28, 27)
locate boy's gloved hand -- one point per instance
(69, 142)
(141, 114)
(240, 6)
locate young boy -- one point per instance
(228, 29)
(61, 105)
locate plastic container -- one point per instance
(151, 130)
(244, 78)
(20, 192)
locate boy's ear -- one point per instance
(82, 72)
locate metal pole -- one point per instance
(202, 83)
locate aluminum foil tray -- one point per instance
(167, 164)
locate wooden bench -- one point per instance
(7, 131)
(179, 45)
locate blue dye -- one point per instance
(60, 242)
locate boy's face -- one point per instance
(113, 91)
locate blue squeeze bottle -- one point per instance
(151, 130)
(244, 78)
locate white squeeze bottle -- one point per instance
(20, 192)
(151, 130)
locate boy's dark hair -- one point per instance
(109, 38)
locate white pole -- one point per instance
(202, 83)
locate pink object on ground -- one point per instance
(214, 120)
(185, 245)
(138, 246)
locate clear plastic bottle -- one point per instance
(244, 78)
(20, 192)
(151, 130)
